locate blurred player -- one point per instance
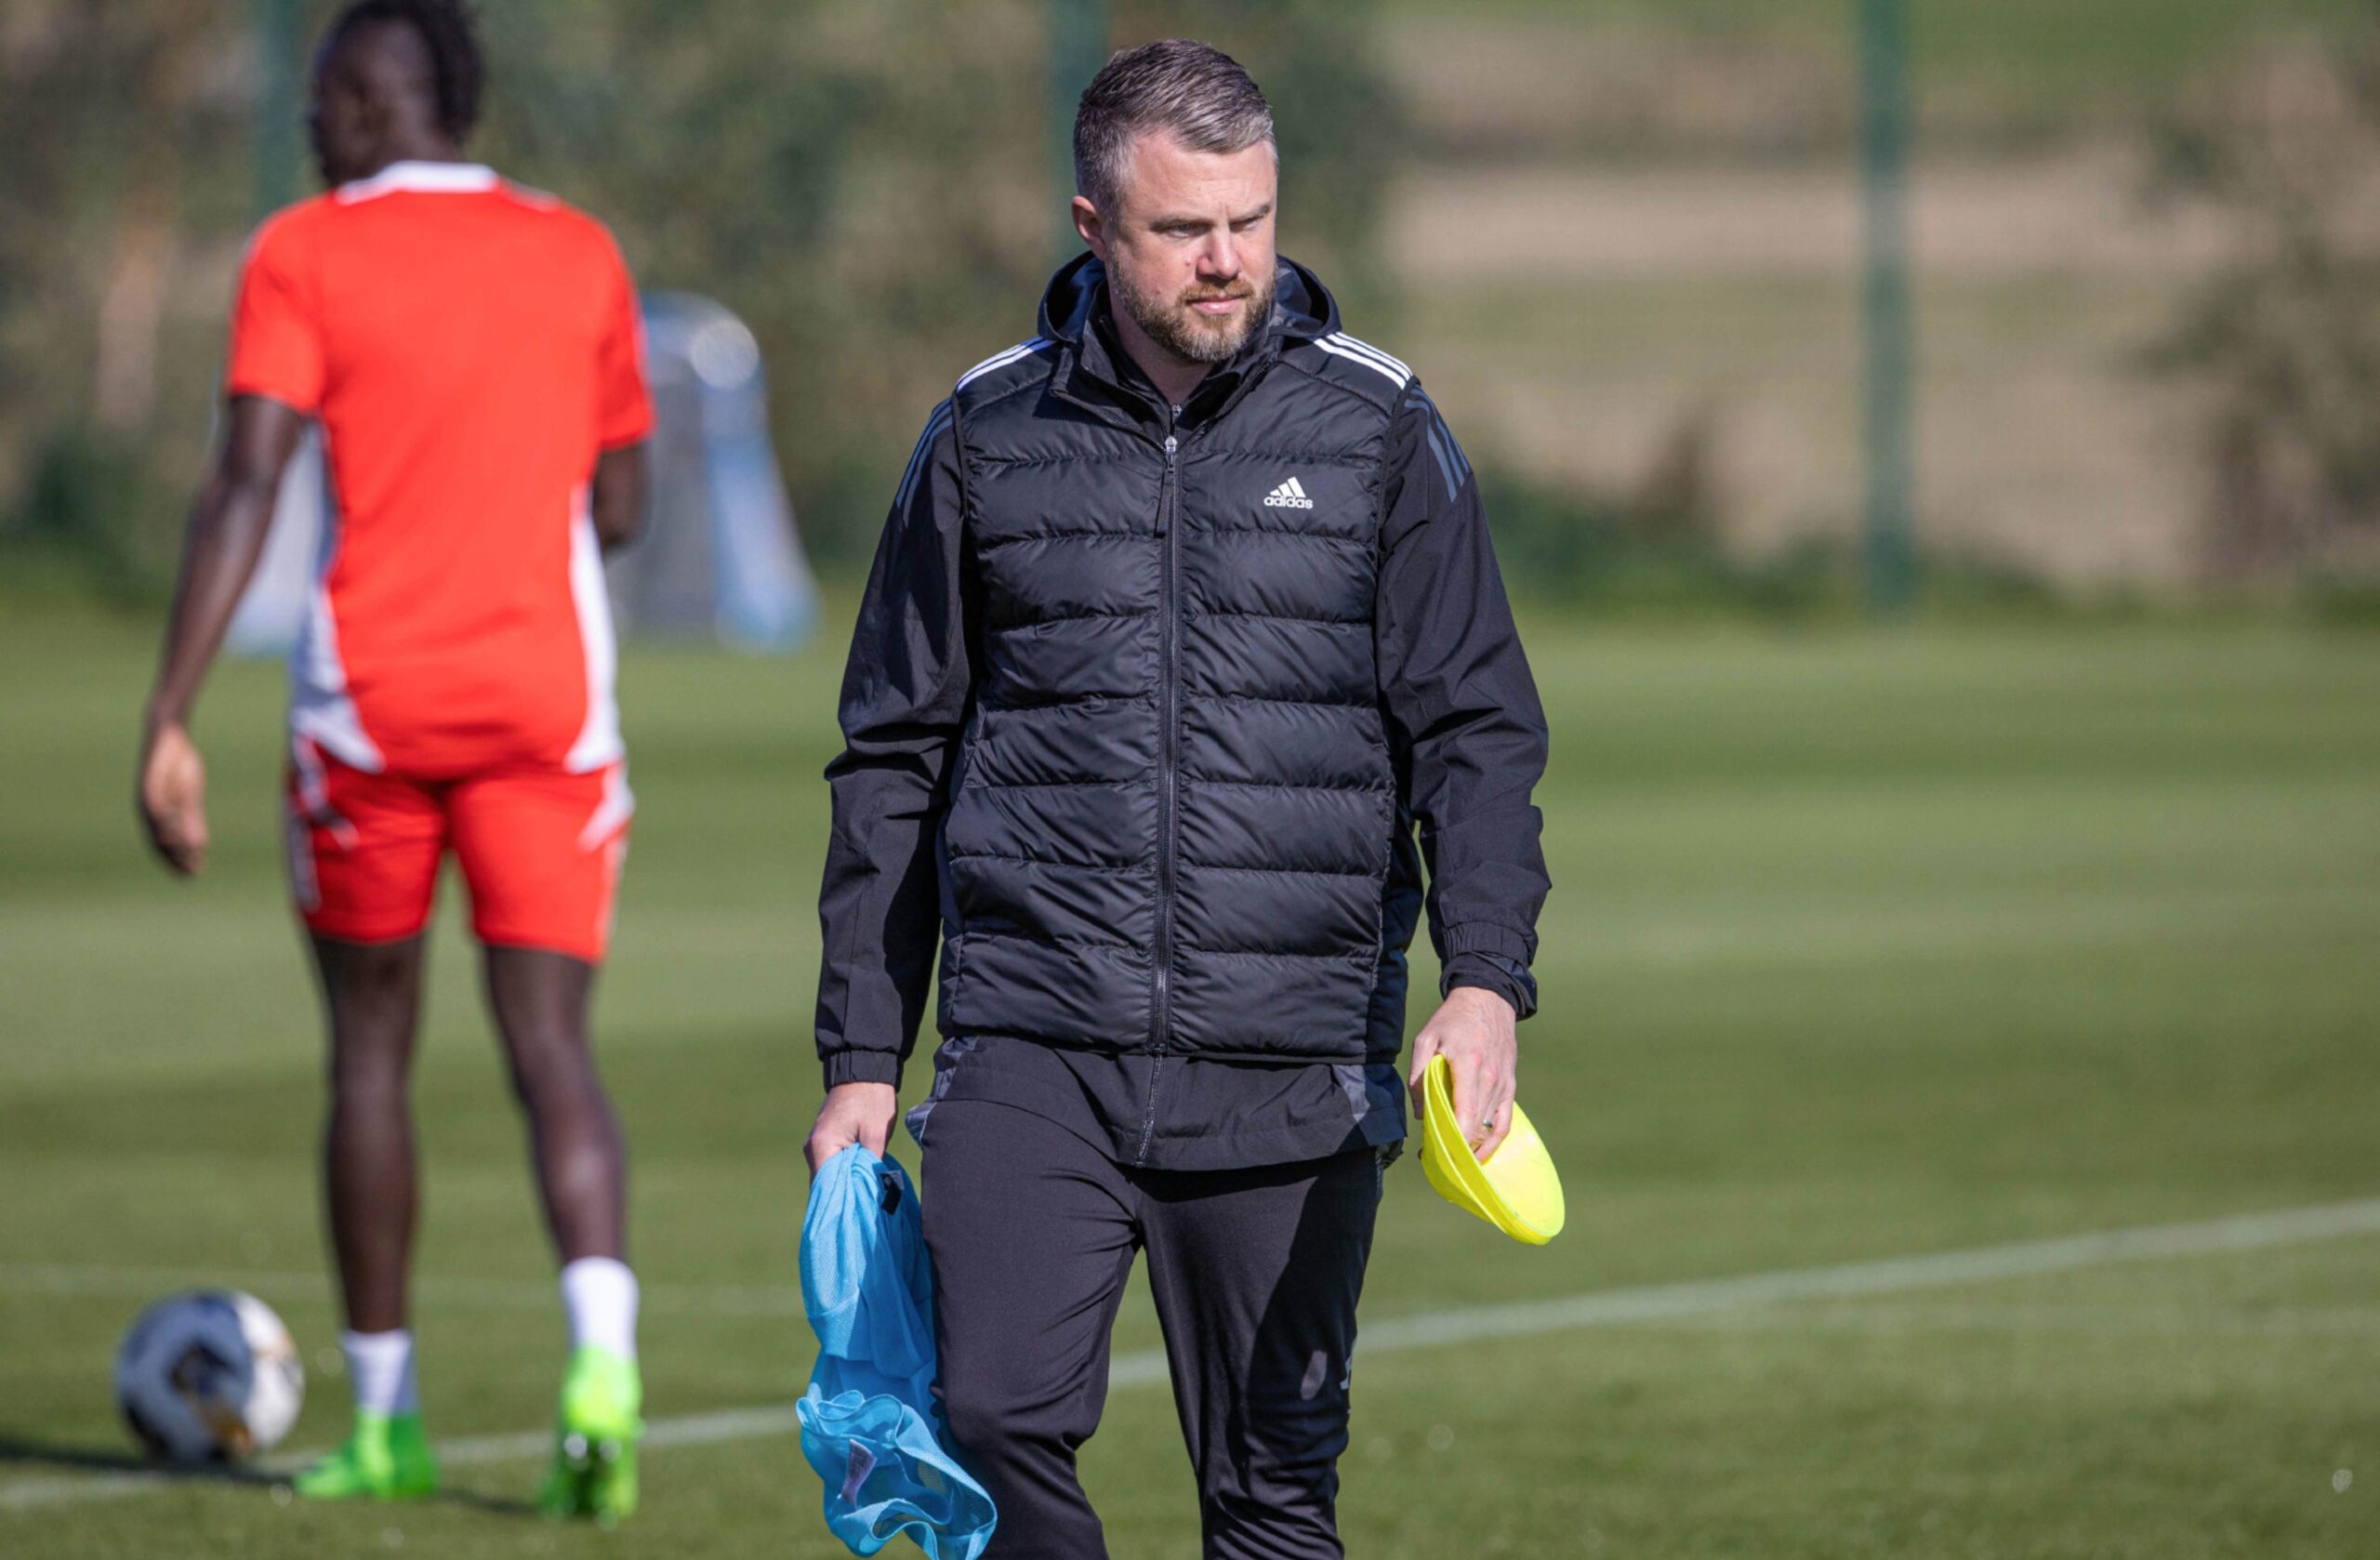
(471, 352)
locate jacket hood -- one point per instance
(1303, 307)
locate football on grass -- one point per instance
(209, 1376)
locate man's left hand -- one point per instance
(1474, 1030)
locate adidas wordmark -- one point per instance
(1290, 495)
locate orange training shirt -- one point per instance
(469, 348)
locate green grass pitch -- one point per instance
(1862, 947)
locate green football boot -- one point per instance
(386, 1458)
(594, 1472)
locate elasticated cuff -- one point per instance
(1481, 936)
(862, 1067)
(1486, 974)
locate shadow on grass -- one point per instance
(18, 1451)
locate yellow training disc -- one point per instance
(1516, 1190)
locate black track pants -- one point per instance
(1256, 1273)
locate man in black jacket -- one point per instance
(1184, 617)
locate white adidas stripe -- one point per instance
(1398, 363)
(1001, 359)
(1399, 379)
(1296, 489)
(934, 424)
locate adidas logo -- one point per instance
(1289, 496)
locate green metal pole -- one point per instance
(279, 42)
(1891, 554)
(1077, 47)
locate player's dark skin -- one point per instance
(374, 104)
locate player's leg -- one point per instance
(1256, 1273)
(1030, 1230)
(542, 851)
(540, 1000)
(371, 996)
(363, 858)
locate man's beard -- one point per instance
(1188, 335)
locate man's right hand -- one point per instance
(854, 1113)
(173, 798)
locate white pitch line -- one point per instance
(1878, 1317)
(1654, 1303)
(2247, 1232)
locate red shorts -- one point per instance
(540, 847)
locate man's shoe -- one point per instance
(594, 1471)
(386, 1458)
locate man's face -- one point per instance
(1189, 254)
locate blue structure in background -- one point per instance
(740, 575)
(720, 557)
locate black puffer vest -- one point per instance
(1175, 825)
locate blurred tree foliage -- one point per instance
(126, 131)
(867, 183)
(2288, 334)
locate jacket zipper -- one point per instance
(1161, 996)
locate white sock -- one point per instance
(599, 1295)
(379, 1365)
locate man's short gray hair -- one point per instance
(1192, 90)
